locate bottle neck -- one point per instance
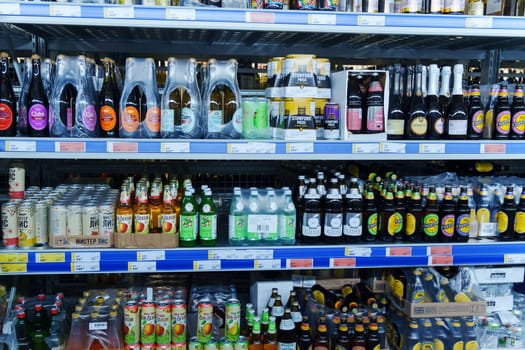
(424, 80)
(433, 77)
(445, 82)
(458, 80)
(36, 68)
(397, 76)
(417, 89)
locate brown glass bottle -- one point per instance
(342, 341)
(305, 339)
(321, 342)
(430, 219)
(447, 217)
(371, 218)
(277, 309)
(359, 341)
(287, 338)
(109, 99)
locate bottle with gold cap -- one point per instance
(305, 339)
(476, 115)
(322, 341)
(359, 341)
(517, 111)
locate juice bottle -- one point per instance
(124, 212)
(188, 220)
(155, 206)
(207, 220)
(142, 214)
(168, 216)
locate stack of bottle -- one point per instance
(262, 216)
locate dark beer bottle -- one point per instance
(476, 115)
(413, 218)
(447, 217)
(286, 335)
(305, 339)
(396, 115)
(463, 217)
(333, 217)
(434, 110)
(399, 216)
(430, 220)
(109, 99)
(353, 218)
(519, 219)
(502, 117)
(37, 104)
(342, 341)
(506, 216)
(7, 99)
(373, 343)
(359, 341)
(322, 341)
(312, 222)
(517, 111)
(388, 218)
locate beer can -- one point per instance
(26, 225)
(331, 121)
(319, 116)
(225, 344)
(17, 180)
(41, 223)
(58, 219)
(147, 323)
(255, 122)
(90, 223)
(74, 220)
(178, 346)
(10, 225)
(178, 321)
(241, 344)
(232, 325)
(163, 322)
(131, 322)
(194, 344)
(106, 219)
(211, 345)
(204, 320)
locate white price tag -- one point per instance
(85, 257)
(180, 14)
(151, 255)
(175, 147)
(10, 9)
(20, 146)
(432, 148)
(265, 224)
(251, 147)
(353, 251)
(371, 20)
(260, 253)
(64, 10)
(300, 147)
(514, 259)
(50, 257)
(365, 148)
(487, 229)
(142, 266)
(206, 265)
(270, 264)
(222, 254)
(321, 19)
(86, 266)
(98, 326)
(479, 22)
(390, 147)
(119, 12)
(237, 254)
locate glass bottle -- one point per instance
(277, 310)
(519, 219)
(265, 321)
(208, 220)
(463, 217)
(270, 341)
(168, 216)
(273, 296)
(286, 336)
(444, 89)
(155, 206)
(430, 220)
(409, 91)
(297, 317)
(109, 98)
(333, 220)
(124, 212)
(359, 341)
(22, 334)
(188, 220)
(517, 111)
(8, 113)
(305, 339)
(457, 114)
(375, 114)
(488, 130)
(371, 217)
(37, 104)
(447, 217)
(353, 217)
(413, 218)
(255, 341)
(388, 218)
(476, 114)
(321, 341)
(354, 111)
(434, 110)
(312, 217)
(506, 216)
(502, 117)
(141, 214)
(396, 116)
(417, 123)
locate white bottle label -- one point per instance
(353, 225)
(311, 225)
(457, 127)
(333, 225)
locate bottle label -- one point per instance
(168, 223)
(478, 120)
(187, 227)
(142, 223)
(311, 225)
(296, 316)
(237, 227)
(431, 224)
(418, 126)
(287, 346)
(375, 118)
(167, 120)
(354, 119)
(410, 224)
(463, 225)
(37, 116)
(471, 345)
(439, 125)
(447, 225)
(341, 347)
(396, 127)
(416, 346)
(89, 117)
(427, 346)
(130, 119)
(208, 227)
(6, 116)
(153, 119)
(278, 311)
(333, 225)
(438, 344)
(372, 224)
(108, 118)
(503, 221)
(287, 225)
(354, 225)
(518, 123)
(519, 223)
(503, 122)
(453, 6)
(237, 120)
(411, 6)
(457, 127)
(264, 225)
(124, 223)
(215, 121)
(475, 8)
(436, 6)
(395, 224)
(187, 120)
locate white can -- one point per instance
(17, 181)
(58, 219)
(41, 223)
(74, 220)
(10, 225)
(26, 225)
(90, 222)
(106, 219)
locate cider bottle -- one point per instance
(37, 104)
(124, 212)
(7, 99)
(142, 214)
(188, 220)
(109, 98)
(155, 206)
(207, 220)
(375, 116)
(168, 215)
(434, 110)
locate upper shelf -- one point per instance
(261, 32)
(67, 148)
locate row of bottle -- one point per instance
(416, 112)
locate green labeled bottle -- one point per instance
(430, 219)
(237, 220)
(188, 220)
(207, 220)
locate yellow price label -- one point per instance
(13, 257)
(50, 257)
(14, 268)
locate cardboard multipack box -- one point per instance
(500, 303)
(260, 292)
(81, 241)
(492, 275)
(340, 82)
(148, 241)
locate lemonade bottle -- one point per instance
(207, 220)
(187, 222)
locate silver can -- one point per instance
(10, 225)
(58, 219)
(90, 221)
(26, 225)
(41, 223)
(17, 181)
(106, 219)
(74, 219)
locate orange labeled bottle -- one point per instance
(142, 214)
(168, 215)
(155, 206)
(124, 213)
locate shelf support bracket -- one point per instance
(39, 46)
(12, 53)
(490, 71)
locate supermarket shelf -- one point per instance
(72, 148)
(57, 261)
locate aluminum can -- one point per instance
(58, 216)
(26, 225)
(232, 325)
(41, 223)
(90, 220)
(17, 181)
(74, 220)
(178, 321)
(10, 225)
(331, 121)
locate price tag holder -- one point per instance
(365, 148)
(426, 148)
(440, 260)
(299, 263)
(10, 9)
(356, 251)
(179, 14)
(479, 22)
(14, 268)
(122, 147)
(399, 251)
(514, 259)
(70, 147)
(119, 12)
(175, 147)
(142, 266)
(64, 11)
(13, 257)
(439, 250)
(20, 146)
(267, 264)
(390, 147)
(206, 265)
(251, 147)
(371, 21)
(152, 255)
(342, 262)
(50, 257)
(260, 17)
(300, 147)
(487, 229)
(493, 148)
(323, 19)
(87, 257)
(85, 266)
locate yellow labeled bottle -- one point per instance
(519, 220)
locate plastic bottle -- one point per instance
(55, 340)
(253, 232)
(188, 220)
(207, 220)
(287, 219)
(237, 219)
(286, 335)
(38, 338)
(270, 218)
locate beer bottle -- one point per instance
(342, 341)
(37, 104)
(322, 341)
(155, 206)
(441, 336)
(270, 341)
(312, 217)
(277, 310)
(325, 297)
(255, 340)
(109, 98)
(388, 219)
(502, 117)
(265, 321)
(353, 206)
(399, 215)
(359, 341)
(452, 295)
(350, 321)
(506, 216)
(517, 110)
(142, 214)
(375, 116)
(371, 217)
(350, 298)
(396, 116)
(417, 123)
(457, 334)
(457, 118)
(188, 220)
(381, 332)
(519, 219)
(373, 341)
(354, 112)
(333, 328)
(333, 217)
(124, 212)
(207, 220)
(413, 340)
(463, 217)
(430, 218)
(273, 296)
(427, 336)
(365, 294)
(413, 217)
(447, 217)
(286, 336)
(488, 131)
(476, 115)
(305, 340)
(297, 317)
(434, 110)
(470, 337)
(7, 99)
